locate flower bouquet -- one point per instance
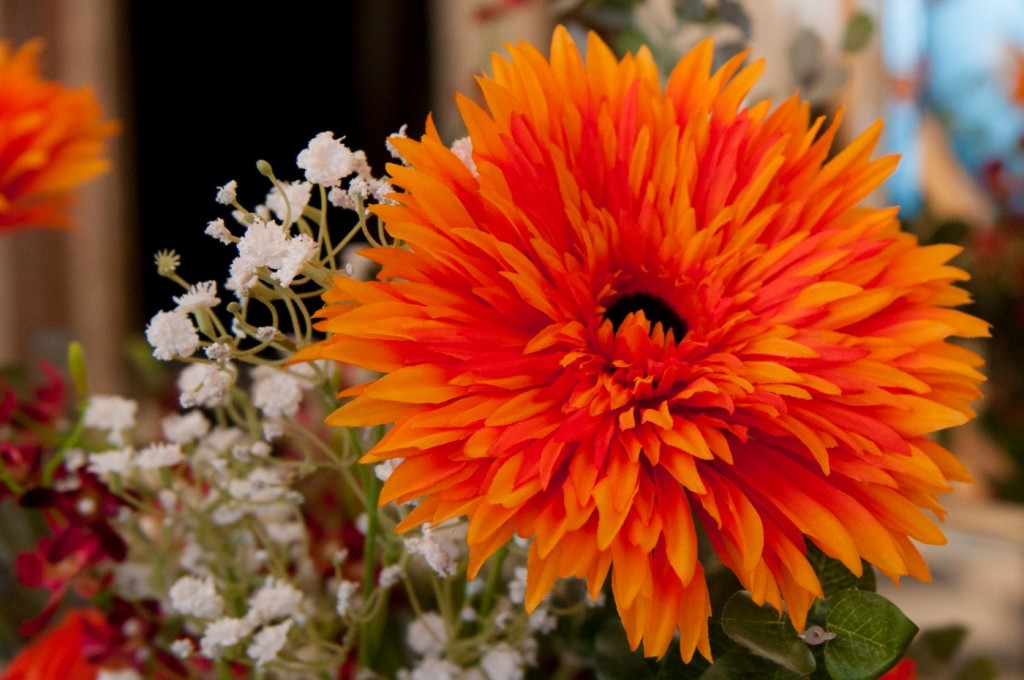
(623, 384)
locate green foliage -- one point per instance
(763, 630)
(858, 32)
(941, 644)
(872, 634)
(739, 663)
(978, 669)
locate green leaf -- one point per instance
(835, 578)
(834, 575)
(629, 39)
(672, 667)
(764, 631)
(942, 644)
(858, 32)
(614, 659)
(872, 634)
(740, 663)
(978, 669)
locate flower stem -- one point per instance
(370, 633)
(493, 579)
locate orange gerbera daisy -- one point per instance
(651, 309)
(51, 140)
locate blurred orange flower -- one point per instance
(63, 652)
(638, 314)
(51, 140)
(1018, 76)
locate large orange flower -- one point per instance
(654, 309)
(51, 140)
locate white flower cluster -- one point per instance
(217, 512)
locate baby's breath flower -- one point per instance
(218, 351)
(427, 635)
(202, 295)
(389, 576)
(275, 393)
(267, 643)
(262, 485)
(167, 262)
(227, 194)
(264, 244)
(172, 334)
(204, 385)
(241, 277)
(542, 621)
(159, 455)
(112, 413)
(502, 662)
(401, 134)
(288, 201)
(326, 160)
(517, 586)
(196, 597)
(184, 428)
(384, 468)
(222, 634)
(358, 188)
(182, 648)
(218, 230)
(339, 198)
(265, 333)
(433, 669)
(346, 593)
(463, 150)
(298, 252)
(285, 533)
(439, 559)
(275, 599)
(380, 189)
(115, 461)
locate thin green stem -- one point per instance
(493, 579)
(76, 434)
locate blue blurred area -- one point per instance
(960, 51)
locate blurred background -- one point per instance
(205, 90)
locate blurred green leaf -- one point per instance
(835, 578)
(739, 663)
(872, 635)
(613, 659)
(834, 575)
(950, 231)
(672, 667)
(763, 631)
(942, 644)
(629, 40)
(978, 669)
(858, 32)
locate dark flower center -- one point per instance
(654, 308)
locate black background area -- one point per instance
(220, 85)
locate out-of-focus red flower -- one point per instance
(904, 670)
(81, 540)
(74, 649)
(21, 449)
